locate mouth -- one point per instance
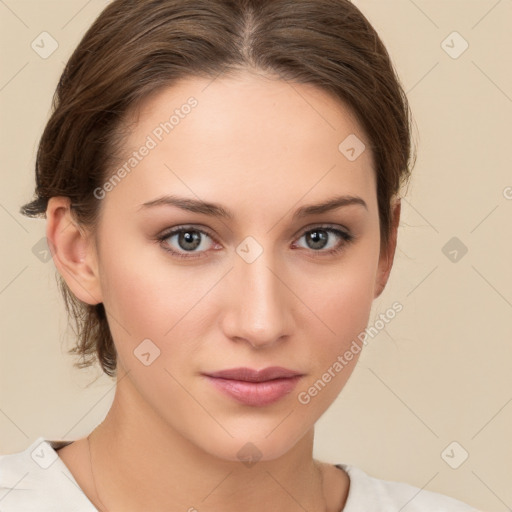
(255, 387)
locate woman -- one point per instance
(221, 186)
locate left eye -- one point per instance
(318, 238)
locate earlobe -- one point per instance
(73, 251)
(388, 254)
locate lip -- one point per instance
(250, 375)
(255, 387)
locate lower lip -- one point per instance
(256, 393)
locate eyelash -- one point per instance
(346, 237)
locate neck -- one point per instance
(162, 470)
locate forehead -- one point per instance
(264, 139)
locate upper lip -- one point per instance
(250, 375)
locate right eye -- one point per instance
(188, 241)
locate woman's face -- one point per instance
(258, 286)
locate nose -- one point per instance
(259, 303)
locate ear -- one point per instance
(73, 251)
(387, 254)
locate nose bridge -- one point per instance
(259, 305)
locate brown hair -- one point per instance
(136, 47)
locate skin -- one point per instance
(262, 148)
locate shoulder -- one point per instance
(373, 494)
(37, 479)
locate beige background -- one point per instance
(439, 372)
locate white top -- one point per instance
(37, 480)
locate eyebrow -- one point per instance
(217, 210)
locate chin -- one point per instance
(250, 450)
(252, 441)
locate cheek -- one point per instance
(145, 297)
(344, 310)
(342, 298)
